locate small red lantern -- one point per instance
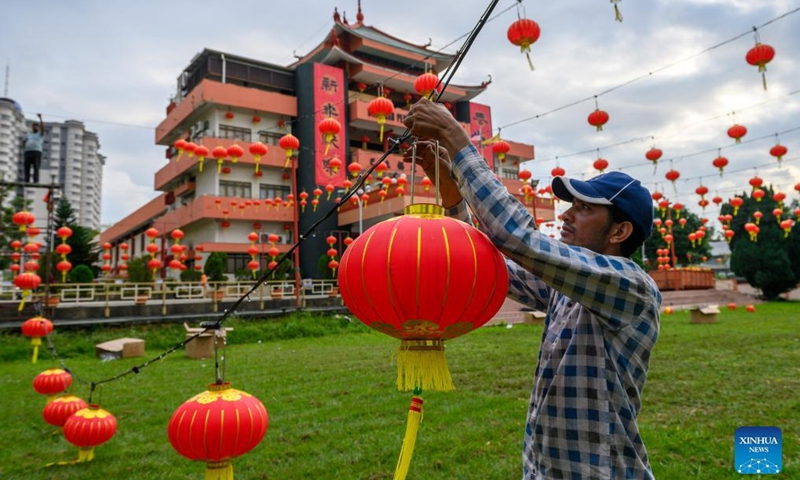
(329, 128)
(758, 194)
(27, 282)
(779, 197)
(717, 200)
(736, 202)
(256, 119)
(88, 428)
(756, 182)
(525, 175)
(202, 152)
(35, 328)
(257, 150)
(501, 147)
(653, 155)
(426, 83)
(558, 172)
(179, 145)
(329, 188)
(23, 219)
(51, 382)
(720, 162)
(219, 154)
(235, 152)
(672, 176)
(380, 107)
(778, 151)
(229, 115)
(234, 423)
(64, 233)
(524, 33)
(60, 409)
(736, 132)
(335, 164)
(786, 226)
(760, 56)
(729, 235)
(598, 118)
(600, 164)
(381, 169)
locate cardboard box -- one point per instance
(120, 348)
(203, 346)
(706, 314)
(534, 317)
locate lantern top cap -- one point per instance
(424, 209)
(612, 188)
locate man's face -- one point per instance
(586, 225)
(35, 128)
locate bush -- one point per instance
(191, 275)
(81, 274)
(138, 271)
(216, 266)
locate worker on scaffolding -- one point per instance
(33, 143)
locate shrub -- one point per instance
(191, 275)
(138, 271)
(216, 266)
(81, 274)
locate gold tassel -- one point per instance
(85, 454)
(422, 363)
(35, 341)
(219, 471)
(410, 439)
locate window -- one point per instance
(269, 138)
(237, 261)
(77, 136)
(266, 190)
(509, 173)
(235, 189)
(235, 133)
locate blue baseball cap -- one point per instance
(612, 188)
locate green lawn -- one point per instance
(335, 413)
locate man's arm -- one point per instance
(609, 286)
(41, 124)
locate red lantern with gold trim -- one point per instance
(289, 143)
(736, 132)
(234, 422)
(600, 164)
(89, 428)
(27, 282)
(501, 147)
(380, 108)
(426, 83)
(423, 278)
(23, 219)
(524, 33)
(598, 118)
(258, 150)
(760, 55)
(51, 382)
(329, 128)
(60, 409)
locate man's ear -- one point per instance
(620, 232)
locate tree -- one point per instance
(768, 262)
(685, 253)
(216, 266)
(8, 230)
(85, 250)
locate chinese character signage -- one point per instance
(480, 129)
(330, 95)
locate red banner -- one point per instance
(480, 129)
(330, 100)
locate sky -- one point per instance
(114, 66)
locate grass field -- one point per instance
(328, 385)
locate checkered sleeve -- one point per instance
(523, 286)
(613, 288)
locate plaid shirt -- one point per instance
(601, 325)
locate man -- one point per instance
(33, 143)
(602, 308)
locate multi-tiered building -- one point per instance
(224, 99)
(70, 159)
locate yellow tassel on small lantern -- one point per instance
(423, 363)
(410, 439)
(36, 342)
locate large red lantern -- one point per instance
(88, 428)
(736, 132)
(219, 154)
(51, 382)
(290, 144)
(380, 107)
(760, 56)
(60, 409)
(329, 128)
(234, 422)
(598, 118)
(27, 282)
(235, 152)
(524, 33)
(558, 172)
(426, 83)
(423, 278)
